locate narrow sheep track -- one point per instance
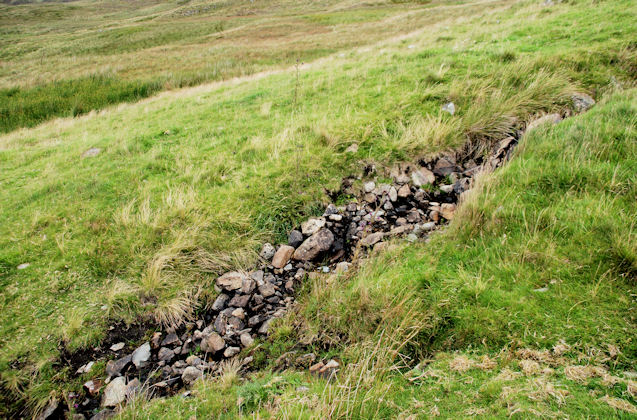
(422, 198)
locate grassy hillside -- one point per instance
(462, 326)
(189, 183)
(68, 58)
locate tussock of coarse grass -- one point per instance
(619, 404)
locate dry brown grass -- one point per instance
(619, 404)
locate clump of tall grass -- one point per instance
(29, 106)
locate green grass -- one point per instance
(473, 289)
(61, 59)
(191, 182)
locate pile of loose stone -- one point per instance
(420, 198)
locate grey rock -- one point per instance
(306, 359)
(170, 340)
(582, 102)
(133, 387)
(267, 290)
(231, 351)
(103, 415)
(295, 238)
(312, 226)
(155, 340)
(115, 392)
(49, 410)
(330, 210)
(444, 166)
(220, 302)
(194, 361)
(404, 191)
(114, 367)
(93, 386)
(239, 313)
(118, 346)
(246, 339)
(264, 328)
(85, 368)
(342, 267)
(449, 107)
(248, 285)
(267, 251)
(422, 176)
(191, 374)
(447, 210)
(429, 226)
(353, 148)
(413, 216)
(141, 355)
(461, 185)
(257, 276)
(212, 343)
(282, 256)
(369, 186)
(239, 301)
(319, 242)
(546, 119)
(400, 230)
(232, 280)
(165, 354)
(23, 266)
(255, 320)
(393, 194)
(446, 188)
(372, 238)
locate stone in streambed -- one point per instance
(312, 225)
(232, 280)
(191, 374)
(231, 351)
(114, 367)
(267, 251)
(295, 238)
(171, 339)
(141, 355)
(165, 354)
(212, 343)
(246, 339)
(444, 166)
(220, 302)
(282, 256)
(372, 238)
(115, 392)
(447, 210)
(319, 242)
(239, 301)
(422, 176)
(267, 289)
(404, 191)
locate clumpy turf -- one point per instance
(523, 307)
(189, 183)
